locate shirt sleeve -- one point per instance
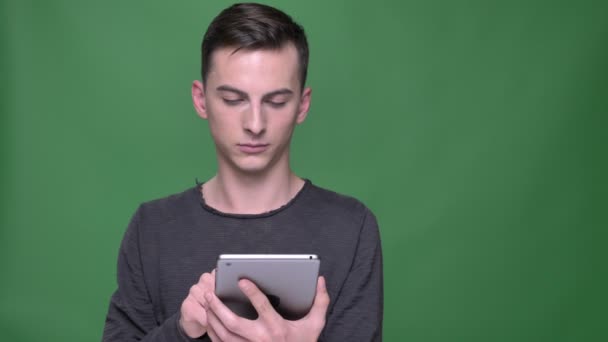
(131, 315)
(358, 308)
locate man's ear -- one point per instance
(304, 105)
(198, 99)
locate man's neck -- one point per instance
(251, 194)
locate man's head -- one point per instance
(253, 94)
(251, 26)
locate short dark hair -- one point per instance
(252, 26)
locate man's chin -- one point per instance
(252, 167)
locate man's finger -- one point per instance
(207, 280)
(193, 318)
(215, 328)
(213, 335)
(225, 316)
(198, 294)
(220, 331)
(258, 299)
(321, 302)
(194, 311)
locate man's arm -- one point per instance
(358, 308)
(131, 312)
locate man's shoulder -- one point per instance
(333, 197)
(170, 207)
(326, 200)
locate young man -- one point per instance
(253, 94)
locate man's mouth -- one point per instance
(252, 148)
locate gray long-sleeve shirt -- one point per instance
(170, 242)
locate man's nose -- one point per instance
(255, 120)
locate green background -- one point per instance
(475, 130)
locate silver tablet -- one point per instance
(289, 281)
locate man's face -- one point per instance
(252, 100)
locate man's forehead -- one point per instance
(280, 65)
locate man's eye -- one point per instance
(232, 102)
(276, 104)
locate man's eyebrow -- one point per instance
(282, 91)
(232, 90)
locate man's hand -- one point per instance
(193, 320)
(224, 325)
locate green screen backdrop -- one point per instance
(475, 130)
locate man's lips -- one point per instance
(252, 148)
